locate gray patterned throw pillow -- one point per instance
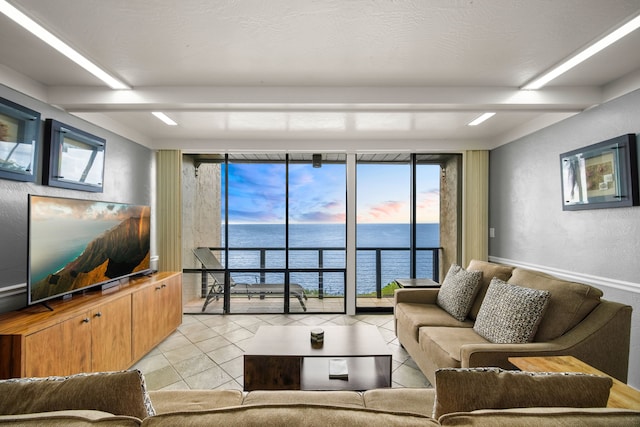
(458, 290)
(510, 314)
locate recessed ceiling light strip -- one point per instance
(482, 118)
(585, 54)
(53, 41)
(164, 118)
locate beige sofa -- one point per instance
(577, 322)
(120, 399)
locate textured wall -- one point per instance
(128, 179)
(200, 218)
(531, 227)
(450, 214)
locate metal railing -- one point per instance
(264, 268)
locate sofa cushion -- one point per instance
(71, 418)
(569, 302)
(414, 316)
(510, 314)
(442, 345)
(338, 398)
(489, 271)
(165, 401)
(463, 390)
(120, 393)
(289, 415)
(414, 400)
(548, 417)
(458, 291)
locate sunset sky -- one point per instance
(257, 193)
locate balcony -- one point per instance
(257, 279)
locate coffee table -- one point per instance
(283, 358)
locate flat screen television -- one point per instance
(78, 244)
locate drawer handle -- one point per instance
(98, 314)
(158, 288)
(164, 286)
(85, 320)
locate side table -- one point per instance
(621, 395)
(417, 283)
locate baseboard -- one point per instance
(13, 297)
(573, 276)
(7, 291)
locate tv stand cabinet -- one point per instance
(95, 331)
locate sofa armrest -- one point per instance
(489, 354)
(417, 296)
(601, 339)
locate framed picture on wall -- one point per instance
(19, 129)
(602, 175)
(74, 159)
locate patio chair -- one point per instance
(211, 266)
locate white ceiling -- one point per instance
(332, 75)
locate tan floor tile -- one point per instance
(212, 344)
(176, 340)
(238, 335)
(186, 352)
(225, 354)
(200, 335)
(234, 367)
(209, 379)
(160, 378)
(151, 363)
(194, 365)
(409, 377)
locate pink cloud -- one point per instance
(390, 210)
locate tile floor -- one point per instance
(206, 350)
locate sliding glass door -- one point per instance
(283, 233)
(397, 225)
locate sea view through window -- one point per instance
(264, 198)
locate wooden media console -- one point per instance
(91, 332)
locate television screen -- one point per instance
(76, 244)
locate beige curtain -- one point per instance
(475, 206)
(169, 210)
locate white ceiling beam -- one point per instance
(204, 146)
(92, 99)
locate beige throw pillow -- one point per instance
(464, 390)
(458, 290)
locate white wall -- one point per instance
(600, 246)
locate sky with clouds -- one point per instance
(318, 195)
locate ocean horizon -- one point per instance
(394, 263)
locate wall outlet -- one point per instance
(492, 232)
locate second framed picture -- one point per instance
(75, 158)
(603, 175)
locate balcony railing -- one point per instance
(266, 263)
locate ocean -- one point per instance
(305, 239)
